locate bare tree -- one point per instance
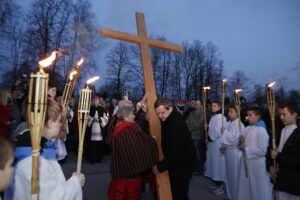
(11, 41)
(259, 94)
(239, 80)
(118, 60)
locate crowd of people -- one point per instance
(235, 154)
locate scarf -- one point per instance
(48, 151)
(260, 123)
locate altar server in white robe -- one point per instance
(52, 182)
(287, 155)
(233, 156)
(254, 142)
(215, 167)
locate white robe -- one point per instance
(233, 157)
(257, 185)
(61, 148)
(286, 196)
(52, 182)
(215, 163)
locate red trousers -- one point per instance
(125, 189)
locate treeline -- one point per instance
(27, 36)
(177, 76)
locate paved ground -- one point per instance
(98, 179)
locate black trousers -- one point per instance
(96, 152)
(179, 180)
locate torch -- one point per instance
(77, 69)
(36, 112)
(223, 101)
(68, 90)
(237, 105)
(204, 90)
(272, 106)
(83, 115)
(69, 87)
(67, 93)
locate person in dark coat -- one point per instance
(177, 147)
(287, 155)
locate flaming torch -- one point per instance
(77, 68)
(68, 90)
(272, 106)
(204, 91)
(83, 114)
(69, 87)
(37, 103)
(237, 105)
(223, 101)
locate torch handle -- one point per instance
(34, 177)
(223, 109)
(271, 105)
(237, 104)
(245, 164)
(205, 120)
(79, 159)
(81, 142)
(83, 115)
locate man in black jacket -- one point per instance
(177, 147)
(288, 155)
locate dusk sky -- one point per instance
(259, 37)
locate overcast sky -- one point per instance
(259, 37)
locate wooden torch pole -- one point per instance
(36, 112)
(237, 104)
(83, 115)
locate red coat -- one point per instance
(5, 116)
(132, 150)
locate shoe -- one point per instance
(219, 190)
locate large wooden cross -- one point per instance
(162, 179)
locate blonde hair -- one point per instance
(4, 96)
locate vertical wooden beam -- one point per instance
(162, 179)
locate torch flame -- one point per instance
(80, 62)
(272, 84)
(48, 61)
(92, 79)
(238, 91)
(72, 74)
(224, 80)
(206, 88)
